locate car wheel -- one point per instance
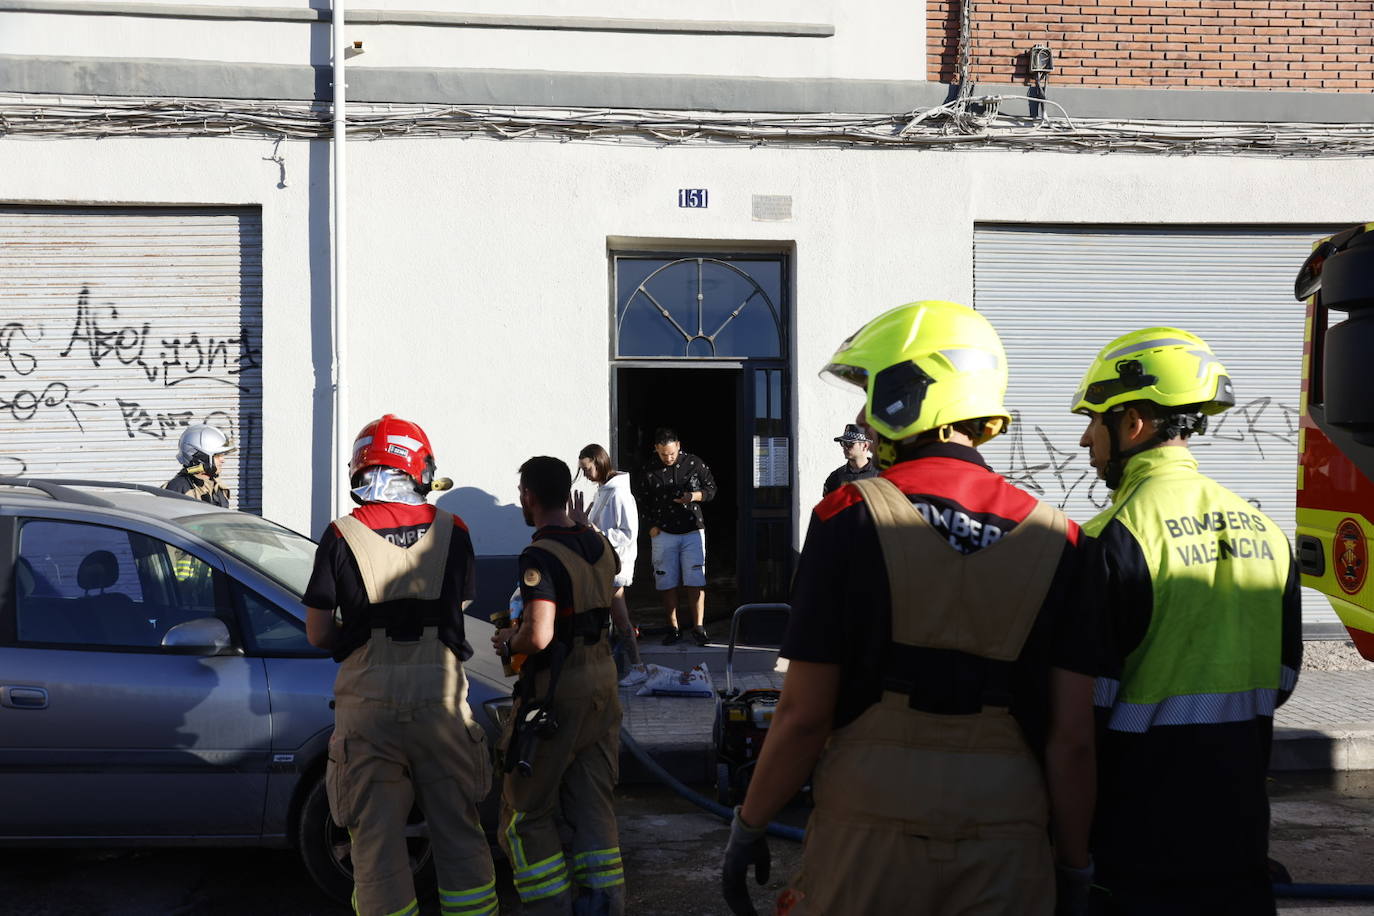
(327, 851)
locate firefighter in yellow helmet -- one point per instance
(940, 667)
(400, 571)
(1204, 629)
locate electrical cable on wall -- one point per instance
(965, 40)
(973, 122)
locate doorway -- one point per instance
(700, 347)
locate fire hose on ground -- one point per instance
(1287, 890)
(668, 779)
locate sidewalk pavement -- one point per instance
(1328, 723)
(676, 731)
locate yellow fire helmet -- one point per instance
(1168, 366)
(923, 366)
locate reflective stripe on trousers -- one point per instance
(534, 880)
(410, 909)
(599, 868)
(480, 901)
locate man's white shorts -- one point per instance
(679, 559)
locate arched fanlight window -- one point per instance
(699, 308)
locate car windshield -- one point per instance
(278, 552)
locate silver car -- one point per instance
(156, 685)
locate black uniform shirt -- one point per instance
(657, 485)
(337, 583)
(841, 604)
(542, 576)
(845, 474)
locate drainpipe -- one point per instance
(342, 443)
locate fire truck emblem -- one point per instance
(1352, 558)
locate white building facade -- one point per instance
(573, 222)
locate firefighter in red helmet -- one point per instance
(399, 571)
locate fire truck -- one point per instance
(1335, 485)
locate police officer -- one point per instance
(400, 572)
(562, 742)
(938, 655)
(201, 450)
(1205, 625)
(858, 459)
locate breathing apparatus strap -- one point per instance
(534, 715)
(1116, 460)
(946, 681)
(1172, 426)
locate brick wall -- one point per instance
(1323, 45)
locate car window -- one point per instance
(93, 585)
(53, 552)
(280, 553)
(272, 631)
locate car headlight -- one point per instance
(499, 711)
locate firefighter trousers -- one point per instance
(919, 813)
(867, 867)
(574, 774)
(385, 759)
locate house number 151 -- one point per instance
(693, 198)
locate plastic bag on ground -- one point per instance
(669, 682)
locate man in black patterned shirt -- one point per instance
(670, 492)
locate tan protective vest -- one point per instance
(586, 668)
(946, 777)
(404, 675)
(207, 488)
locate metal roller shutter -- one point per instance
(121, 326)
(1057, 294)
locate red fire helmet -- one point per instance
(394, 443)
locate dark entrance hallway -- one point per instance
(699, 404)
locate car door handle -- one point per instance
(24, 697)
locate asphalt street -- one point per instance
(1323, 832)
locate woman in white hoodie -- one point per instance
(614, 514)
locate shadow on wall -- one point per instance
(499, 533)
(496, 528)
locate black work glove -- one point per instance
(747, 846)
(1071, 889)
